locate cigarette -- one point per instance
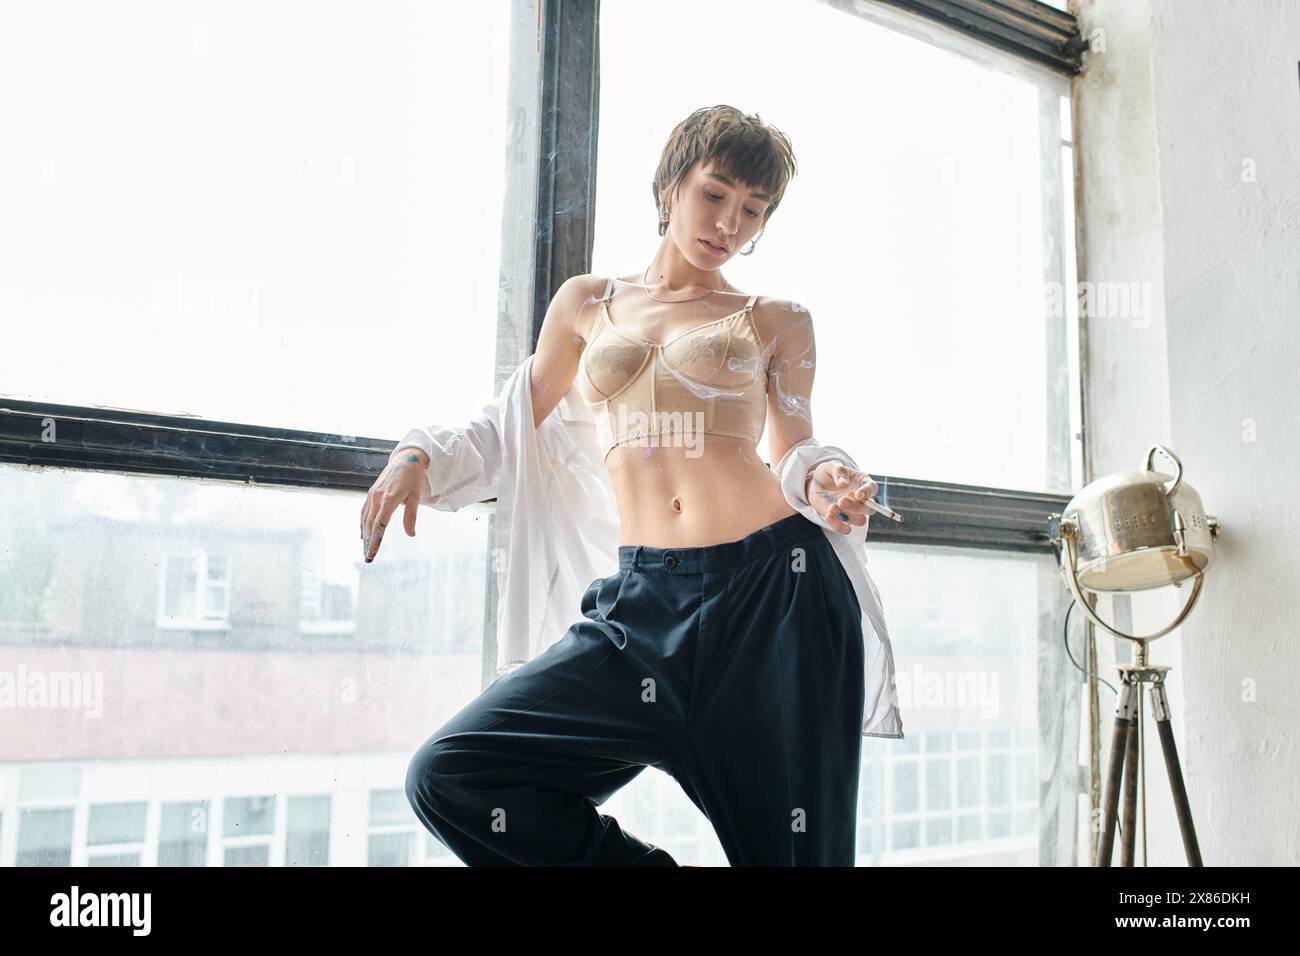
(880, 509)
(883, 510)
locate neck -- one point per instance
(671, 273)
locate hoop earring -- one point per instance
(753, 242)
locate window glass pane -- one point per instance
(938, 830)
(918, 245)
(389, 807)
(180, 596)
(967, 675)
(938, 783)
(280, 730)
(249, 816)
(389, 849)
(183, 840)
(906, 835)
(247, 855)
(999, 774)
(308, 839)
(968, 827)
(968, 782)
(245, 204)
(116, 823)
(905, 786)
(44, 838)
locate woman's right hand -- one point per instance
(400, 483)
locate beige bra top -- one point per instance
(711, 379)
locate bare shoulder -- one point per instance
(576, 302)
(781, 320)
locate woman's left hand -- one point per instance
(839, 493)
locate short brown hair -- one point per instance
(739, 145)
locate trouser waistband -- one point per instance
(716, 558)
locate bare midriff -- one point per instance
(714, 490)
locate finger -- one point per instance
(851, 516)
(373, 539)
(410, 508)
(369, 513)
(848, 512)
(855, 511)
(857, 482)
(367, 520)
(841, 474)
(376, 536)
(852, 501)
(848, 505)
(861, 484)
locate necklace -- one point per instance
(646, 285)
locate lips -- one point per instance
(716, 250)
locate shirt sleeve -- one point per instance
(464, 459)
(793, 470)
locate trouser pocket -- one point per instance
(600, 601)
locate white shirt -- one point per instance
(558, 524)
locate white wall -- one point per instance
(1189, 153)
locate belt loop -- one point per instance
(636, 558)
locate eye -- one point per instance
(716, 198)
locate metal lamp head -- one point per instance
(1132, 531)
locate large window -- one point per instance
(238, 240)
(929, 231)
(245, 217)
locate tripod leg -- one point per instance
(1160, 704)
(1124, 718)
(1130, 794)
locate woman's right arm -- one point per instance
(468, 470)
(561, 341)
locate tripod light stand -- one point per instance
(1133, 531)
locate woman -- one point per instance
(728, 649)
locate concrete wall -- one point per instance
(1188, 130)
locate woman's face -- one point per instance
(710, 206)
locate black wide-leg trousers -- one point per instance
(736, 668)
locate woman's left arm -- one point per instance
(836, 490)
